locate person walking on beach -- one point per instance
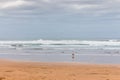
(73, 56)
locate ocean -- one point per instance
(84, 51)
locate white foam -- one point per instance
(84, 43)
(65, 42)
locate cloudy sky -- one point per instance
(59, 19)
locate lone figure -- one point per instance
(73, 56)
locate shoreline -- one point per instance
(18, 70)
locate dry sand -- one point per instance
(10, 70)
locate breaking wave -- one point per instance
(79, 43)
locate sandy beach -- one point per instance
(11, 70)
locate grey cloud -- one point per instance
(95, 7)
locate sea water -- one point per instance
(85, 51)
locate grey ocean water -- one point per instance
(83, 51)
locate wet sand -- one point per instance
(11, 70)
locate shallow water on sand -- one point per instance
(98, 56)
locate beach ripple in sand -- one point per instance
(57, 71)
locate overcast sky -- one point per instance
(59, 19)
